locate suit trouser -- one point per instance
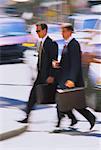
(85, 112)
(61, 114)
(32, 98)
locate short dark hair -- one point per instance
(68, 26)
(43, 26)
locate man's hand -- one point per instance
(69, 84)
(55, 64)
(50, 80)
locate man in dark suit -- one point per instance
(70, 72)
(48, 50)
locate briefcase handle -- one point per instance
(70, 90)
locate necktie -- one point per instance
(64, 48)
(40, 53)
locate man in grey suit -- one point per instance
(47, 52)
(70, 72)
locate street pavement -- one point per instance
(9, 127)
(40, 133)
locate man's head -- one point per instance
(67, 30)
(41, 29)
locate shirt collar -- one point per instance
(69, 39)
(43, 39)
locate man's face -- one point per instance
(41, 32)
(66, 33)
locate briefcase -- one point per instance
(45, 93)
(70, 98)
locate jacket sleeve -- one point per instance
(53, 55)
(75, 61)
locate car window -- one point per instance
(85, 24)
(90, 24)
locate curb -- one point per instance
(12, 133)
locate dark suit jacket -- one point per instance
(71, 65)
(49, 52)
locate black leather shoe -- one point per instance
(23, 121)
(92, 121)
(62, 115)
(73, 122)
(58, 124)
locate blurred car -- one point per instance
(95, 68)
(13, 33)
(85, 25)
(84, 21)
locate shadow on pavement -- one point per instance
(9, 102)
(71, 131)
(76, 132)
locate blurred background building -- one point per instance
(44, 10)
